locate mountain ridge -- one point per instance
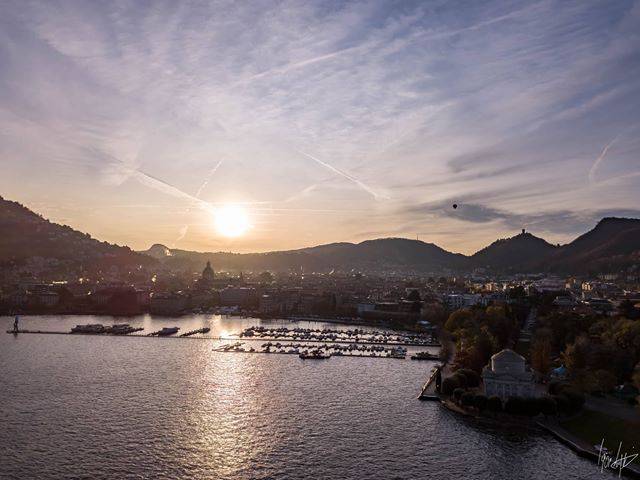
(613, 243)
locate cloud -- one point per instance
(556, 221)
(496, 105)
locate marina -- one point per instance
(344, 336)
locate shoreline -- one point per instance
(578, 445)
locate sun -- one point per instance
(231, 220)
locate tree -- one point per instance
(467, 399)
(471, 377)
(449, 384)
(265, 277)
(530, 406)
(541, 355)
(628, 309)
(459, 319)
(576, 398)
(575, 355)
(482, 349)
(517, 292)
(636, 376)
(548, 405)
(457, 394)
(563, 403)
(494, 404)
(414, 296)
(605, 380)
(462, 379)
(514, 406)
(480, 401)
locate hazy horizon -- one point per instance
(321, 122)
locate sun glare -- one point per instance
(231, 220)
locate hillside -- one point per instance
(513, 254)
(612, 244)
(26, 235)
(386, 254)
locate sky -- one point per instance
(324, 121)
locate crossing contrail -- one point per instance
(185, 228)
(349, 177)
(208, 178)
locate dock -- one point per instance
(428, 391)
(128, 335)
(230, 338)
(326, 349)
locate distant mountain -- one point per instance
(386, 254)
(612, 244)
(513, 254)
(26, 235)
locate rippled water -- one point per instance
(113, 407)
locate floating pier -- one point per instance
(313, 350)
(194, 332)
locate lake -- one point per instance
(115, 407)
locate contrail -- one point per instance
(349, 177)
(185, 228)
(295, 65)
(164, 187)
(600, 159)
(208, 178)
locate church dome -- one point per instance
(207, 274)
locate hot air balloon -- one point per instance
(455, 205)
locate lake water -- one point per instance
(113, 407)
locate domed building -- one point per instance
(208, 278)
(508, 376)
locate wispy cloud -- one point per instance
(498, 105)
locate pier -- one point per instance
(202, 336)
(428, 391)
(325, 350)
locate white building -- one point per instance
(507, 376)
